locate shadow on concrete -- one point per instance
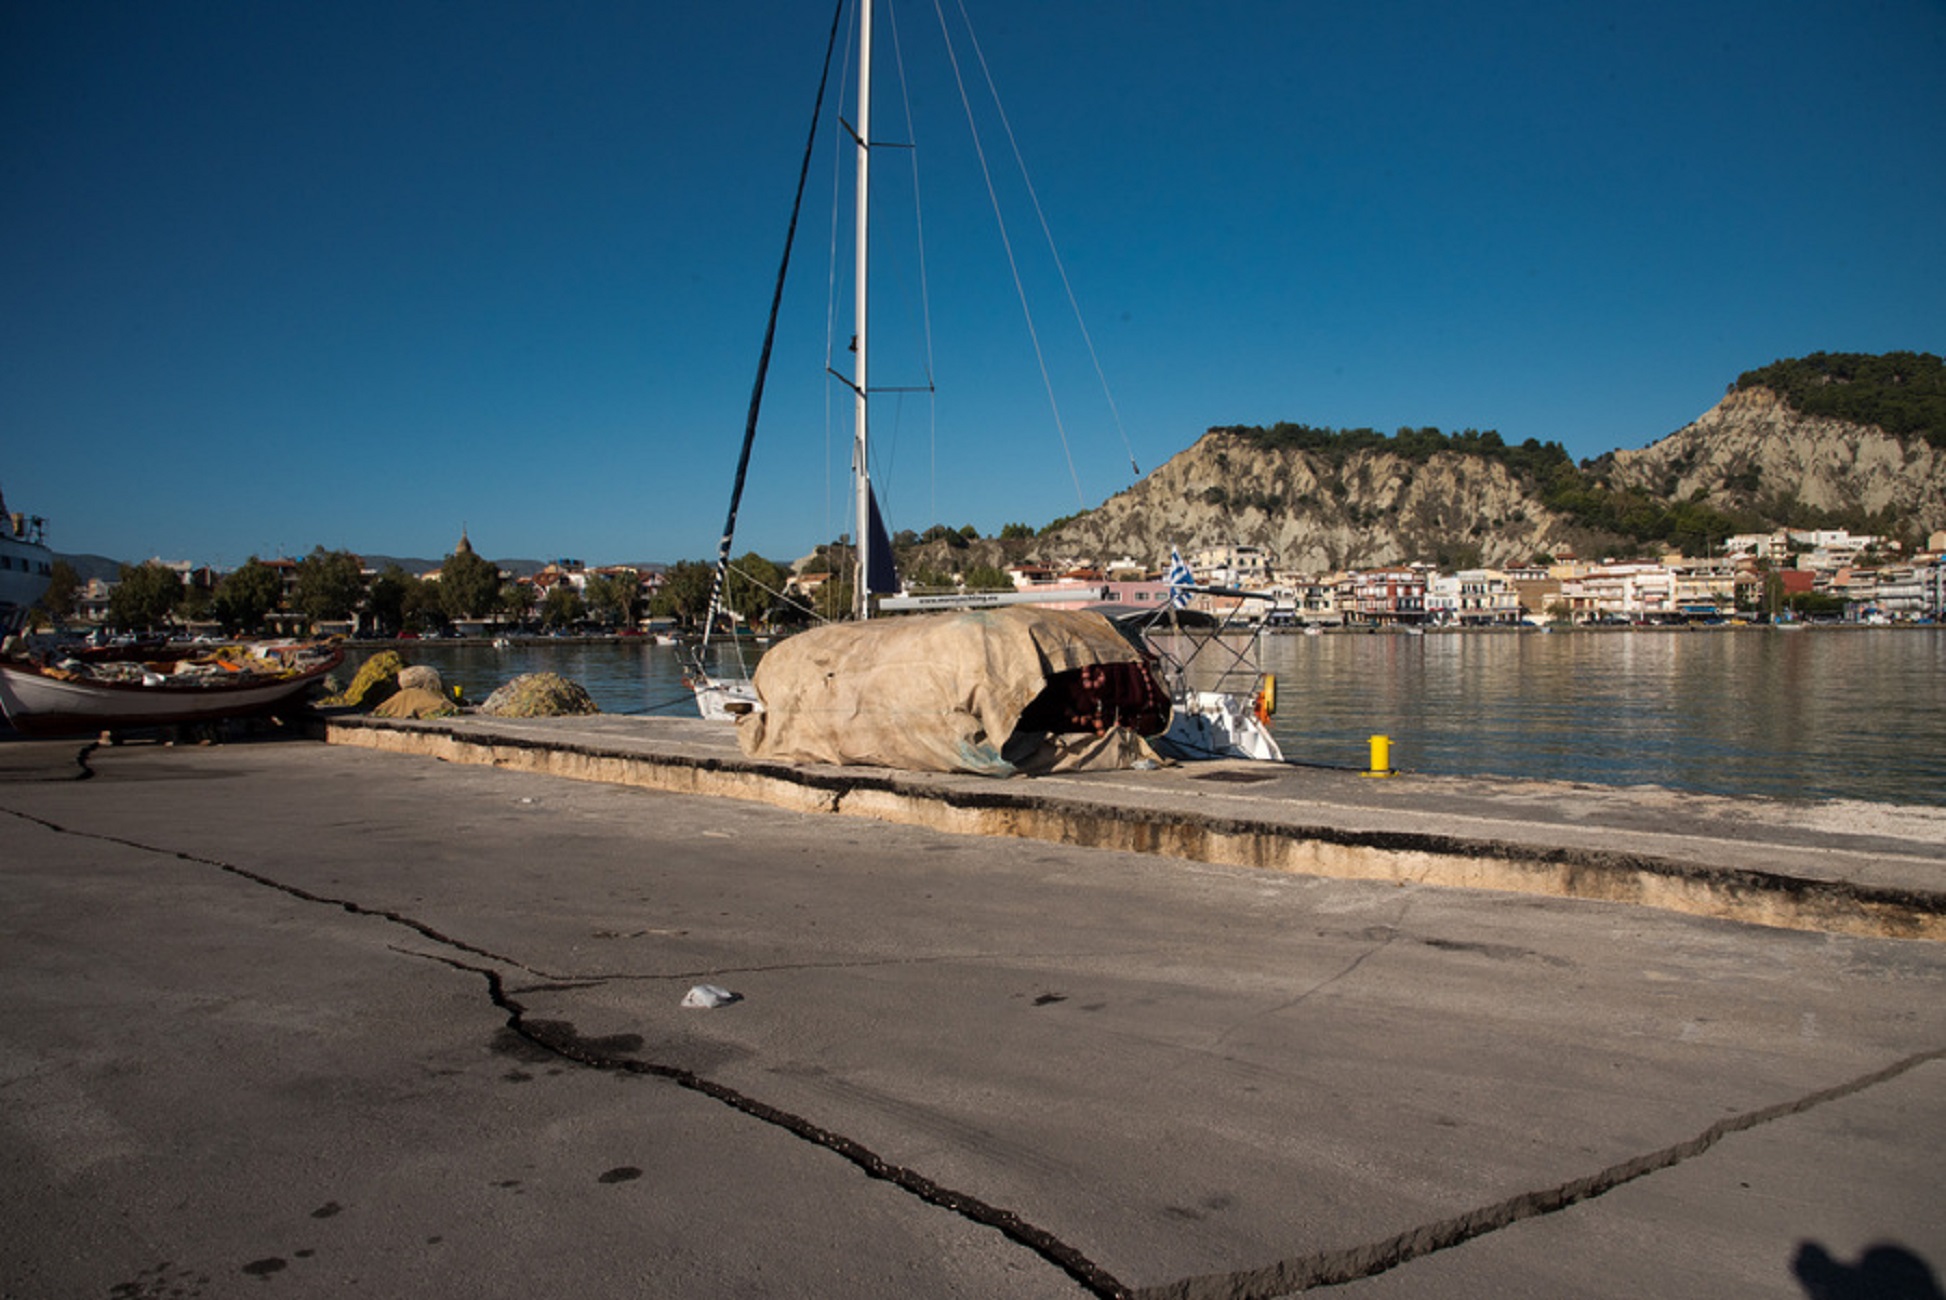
(1885, 1271)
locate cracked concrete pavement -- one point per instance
(318, 1021)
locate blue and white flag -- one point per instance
(1180, 580)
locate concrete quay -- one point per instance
(308, 1020)
(1843, 868)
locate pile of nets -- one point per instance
(539, 695)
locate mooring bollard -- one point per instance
(1381, 756)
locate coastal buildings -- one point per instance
(1744, 580)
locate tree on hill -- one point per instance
(330, 585)
(685, 591)
(987, 577)
(145, 597)
(1903, 393)
(246, 595)
(562, 607)
(613, 598)
(388, 596)
(63, 594)
(469, 587)
(754, 586)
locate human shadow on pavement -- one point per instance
(1885, 1271)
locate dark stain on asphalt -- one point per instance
(329, 1210)
(620, 1174)
(561, 1038)
(160, 1281)
(508, 1043)
(265, 1267)
(1501, 951)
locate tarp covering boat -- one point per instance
(993, 691)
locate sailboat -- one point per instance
(1102, 677)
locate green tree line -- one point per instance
(330, 586)
(1903, 393)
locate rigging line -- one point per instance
(1006, 242)
(831, 292)
(770, 337)
(1047, 232)
(925, 282)
(781, 597)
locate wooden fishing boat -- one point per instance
(63, 696)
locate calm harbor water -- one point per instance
(1814, 714)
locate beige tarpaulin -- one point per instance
(947, 693)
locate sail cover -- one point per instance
(994, 691)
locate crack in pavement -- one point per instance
(1320, 1268)
(553, 1037)
(294, 891)
(1335, 1267)
(560, 1041)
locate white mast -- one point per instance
(861, 602)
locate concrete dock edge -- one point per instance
(1018, 809)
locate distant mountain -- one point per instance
(415, 566)
(91, 567)
(100, 566)
(1764, 457)
(518, 568)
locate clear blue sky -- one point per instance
(275, 275)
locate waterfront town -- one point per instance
(1830, 576)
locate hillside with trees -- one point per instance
(1842, 441)
(1903, 393)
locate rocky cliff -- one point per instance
(1370, 508)
(1751, 463)
(1753, 453)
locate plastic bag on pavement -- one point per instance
(709, 997)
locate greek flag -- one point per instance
(1180, 580)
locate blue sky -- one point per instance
(358, 275)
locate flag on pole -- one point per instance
(1180, 580)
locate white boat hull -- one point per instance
(1215, 724)
(721, 699)
(39, 705)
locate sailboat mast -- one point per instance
(861, 466)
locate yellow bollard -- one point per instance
(1381, 756)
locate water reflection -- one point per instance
(1852, 714)
(1857, 714)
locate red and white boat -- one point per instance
(61, 696)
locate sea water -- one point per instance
(1852, 713)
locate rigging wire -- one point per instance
(925, 282)
(721, 573)
(1007, 243)
(1047, 233)
(831, 289)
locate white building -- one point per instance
(1621, 593)
(1236, 565)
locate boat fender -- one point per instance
(1267, 698)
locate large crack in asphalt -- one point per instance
(1334, 1267)
(1321, 1268)
(559, 1040)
